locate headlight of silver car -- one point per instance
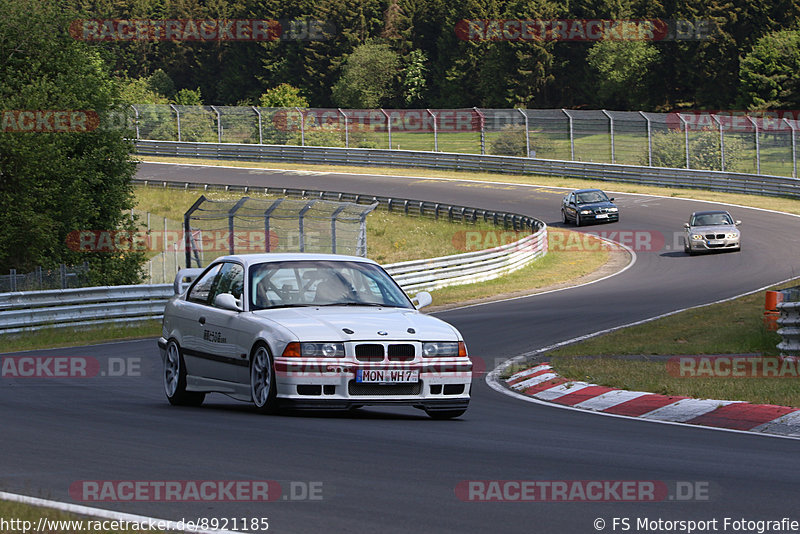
(732, 236)
(697, 237)
(434, 349)
(322, 350)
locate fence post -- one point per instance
(571, 136)
(334, 215)
(721, 143)
(302, 127)
(231, 214)
(482, 122)
(388, 126)
(758, 151)
(611, 129)
(794, 149)
(527, 134)
(346, 129)
(219, 124)
(187, 233)
(649, 140)
(435, 131)
(260, 135)
(300, 218)
(136, 119)
(62, 271)
(686, 137)
(178, 119)
(13, 273)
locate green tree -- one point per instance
(622, 68)
(769, 73)
(54, 183)
(368, 77)
(414, 83)
(283, 96)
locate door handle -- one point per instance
(202, 320)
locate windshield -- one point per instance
(711, 219)
(323, 283)
(591, 196)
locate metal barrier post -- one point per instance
(482, 121)
(721, 142)
(260, 136)
(611, 130)
(686, 137)
(527, 134)
(571, 136)
(136, 119)
(335, 214)
(346, 129)
(302, 127)
(794, 149)
(178, 119)
(219, 124)
(435, 132)
(388, 126)
(649, 140)
(758, 151)
(231, 213)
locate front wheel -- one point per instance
(445, 414)
(175, 379)
(577, 219)
(564, 216)
(262, 380)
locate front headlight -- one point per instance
(439, 349)
(586, 212)
(732, 236)
(322, 350)
(697, 237)
(613, 210)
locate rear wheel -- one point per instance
(445, 414)
(175, 379)
(262, 380)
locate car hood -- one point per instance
(714, 229)
(328, 324)
(603, 204)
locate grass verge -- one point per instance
(27, 517)
(735, 327)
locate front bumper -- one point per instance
(600, 217)
(444, 383)
(714, 244)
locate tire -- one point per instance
(175, 378)
(577, 219)
(564, 215)
(445, 414)
(263, 390)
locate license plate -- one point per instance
(387, 376)
(714, 242)
(601, 216)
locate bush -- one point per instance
(511, 142)
(669, 150)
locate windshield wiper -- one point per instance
(375, 304)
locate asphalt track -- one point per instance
(395, 470)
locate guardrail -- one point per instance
(789, 323)
(129, 304)
(659, 176)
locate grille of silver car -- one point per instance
(715, 236)
(401, 352)
(355, 388)
(370, 352)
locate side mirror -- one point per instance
(423, 299)
(738, 223)
(686, 225)
(226, 301)
(611, 199)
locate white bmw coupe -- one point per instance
(311, 331)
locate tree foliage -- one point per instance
(368, 77)
(54, 183)
(769, 73)
(283, 96)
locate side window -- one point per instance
(201, 289)
(231, 280)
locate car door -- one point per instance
(188, 316)
(224, 339)
(570, 206)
